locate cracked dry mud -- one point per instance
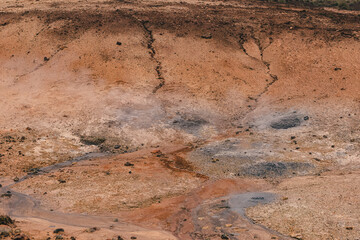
(179, 120)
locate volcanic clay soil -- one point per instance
(189, 102)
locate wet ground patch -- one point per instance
(189, 123)
(91, 140)
(227, 156)
(276, 169)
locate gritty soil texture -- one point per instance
(186, 104)
(314, 207)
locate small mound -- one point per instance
(286, 122)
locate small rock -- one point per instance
(72, 238)
(58, 230)
(62, 181)
(8, 194)
(224, 236)
(337, 68)
(349, 228)
(306, 118)
(16, 179)
(59, 237)
(116, 220)
(6, 220)
(46, 59)
(93, 229)
(133, 237)
(118, 43)
(127, 164)
(207, 36)
(116, 146)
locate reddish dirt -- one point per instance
(191, 102)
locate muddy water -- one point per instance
(21, 205)
(24, 206)
(239, 202)
(57, 166)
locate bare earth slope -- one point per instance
(189, 102)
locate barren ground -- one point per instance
(187, 104)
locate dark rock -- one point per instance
(119, 238)
(224, 236)
(61, 181)
(59, 237)
(292, 137)
(116, 146)
(337, 68)
(206, 36)
(118, 43)
(6, 220)
(306, 118)
(258, 198)
(127, 164)
(72, 238)
(59, 230)
(133, 238)
(46, 59)
(6, 195)
(16, 179)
